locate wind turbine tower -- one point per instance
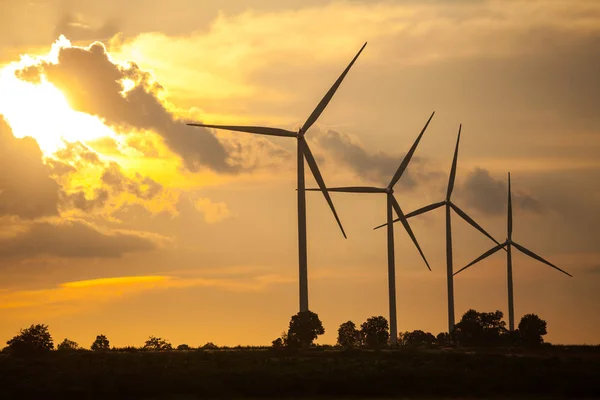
(303, 152)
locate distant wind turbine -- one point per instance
(303, 152)
(449, 206)
(508, 244)
(392, 204)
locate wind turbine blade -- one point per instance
(382, 225)
(535, 256)
(251, 129)
(352, 189)
(425, 209)
(483, 256)
(408, 155)
(325, 100)
(453, 169)
(470, 220)
(317, 174)
(407, 227)
(421, 210)
(509, 221)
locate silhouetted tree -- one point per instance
(443, 339)
(183, 347)
(157, 344)
(479, 329)
(417, 338)
(33, 340)
(531, 329)
(210, 346)
(277, 343)
(348, 335)
(374, 332)
(101, 343)
(67, 345)
(304, 329)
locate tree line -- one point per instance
(474, 329)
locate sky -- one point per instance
(119, 219)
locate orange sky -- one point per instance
(119, 219)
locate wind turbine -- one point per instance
(449, 206)
(508, 244)
(392, 204)
(303, 152)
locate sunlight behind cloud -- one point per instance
(41, 111)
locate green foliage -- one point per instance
(30, 341)
(101, 343)
(531, 329)
(304, 328)
(374, 332)
(348, 335)
(67, 345)
(480, 329)
(157, 344)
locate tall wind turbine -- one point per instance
(508, 244)
(392, 204)
(303, 152)
(449, 206)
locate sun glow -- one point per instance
(41, 111)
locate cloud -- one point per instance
(93, 84)
(213, 211)
(488, 195)
(26, 188)
(74, 27)
(74, 296)
(377, 167)
(73, 240)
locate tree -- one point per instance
(304, 328)
(101, 343)
(443, 339)
(67, 345)
(277, 343)
(531, 329)
(157, 344)
(183, 347)
(210, 346)
(479, 329)
(348, 335)
(33, 340)
(417, 338)
(374, 332)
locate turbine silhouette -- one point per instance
(392, 204)
(303, 152)
(508, 244)
(449, 206)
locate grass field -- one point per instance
(318, 373)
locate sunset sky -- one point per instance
(118, 219)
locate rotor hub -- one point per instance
(389, 190)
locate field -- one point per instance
(316, 373)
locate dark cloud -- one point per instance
(72, 240)
(594, 270)
(377, 167)
(488, 195)
(92, 83)
(26, 188)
